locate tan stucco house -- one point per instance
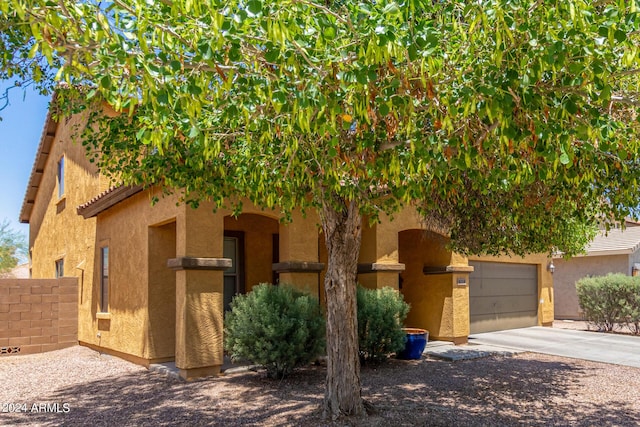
(154, 280)
(615, 251)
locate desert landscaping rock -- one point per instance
(77, 386)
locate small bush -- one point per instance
(631, 305)
(608, 300)
(381, 315)
(277, 327)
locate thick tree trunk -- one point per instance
(343, 232)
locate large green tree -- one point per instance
(510, 124)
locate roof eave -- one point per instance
(626, 251)
(107, 199)
(42, 155)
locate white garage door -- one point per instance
(502, 296)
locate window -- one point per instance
(104, 279)
(61, 177)
(59, 268)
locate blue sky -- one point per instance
(20, 131)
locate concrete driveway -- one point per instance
(594, 346)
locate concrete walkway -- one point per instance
(170, 370)
(594, 346)
(447, 351)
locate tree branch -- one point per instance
(324, 9)
(625, 100)
(486, 132)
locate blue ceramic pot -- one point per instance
(415, 343)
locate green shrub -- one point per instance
(381, 315)
(608, 300)
(631, 305)
(277, 327)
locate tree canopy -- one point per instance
(510, 124)
(490, 115)
(13, 247)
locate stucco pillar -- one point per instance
(460, 305)
(299, 265)
(199, 292)
(440, 303)
(378, 265)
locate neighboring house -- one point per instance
(18, 272)
(154, 281)
(616, 251)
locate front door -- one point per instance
(233, 276)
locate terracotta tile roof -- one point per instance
(107, 199)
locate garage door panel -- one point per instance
(506, 270)
(503, 286)
(486, 323)
(502, 296)
(504, 305)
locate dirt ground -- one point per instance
(77, 386)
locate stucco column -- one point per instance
(440, 303)
(298, 264)
(199, 292)
(378, 265)
(460, 305)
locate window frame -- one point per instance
(60, 177)
(59, 268)
(104, 279)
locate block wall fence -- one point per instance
(38, 315)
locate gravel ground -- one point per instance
(582, 325)
(526, 389)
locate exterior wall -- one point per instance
(161, 292)
(569, 271)
(38, 315)
(299, 242)
(140, 322)
(545, 282)
(55, 229)
(633, 259)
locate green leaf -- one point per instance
(271, 54)
(140, 134)
(391, 8)
(162, 97)
(329, 33)
(175, 65)
(362, 76)
(254, 6)
(194, 131)
(564, 158)
(571, 106)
